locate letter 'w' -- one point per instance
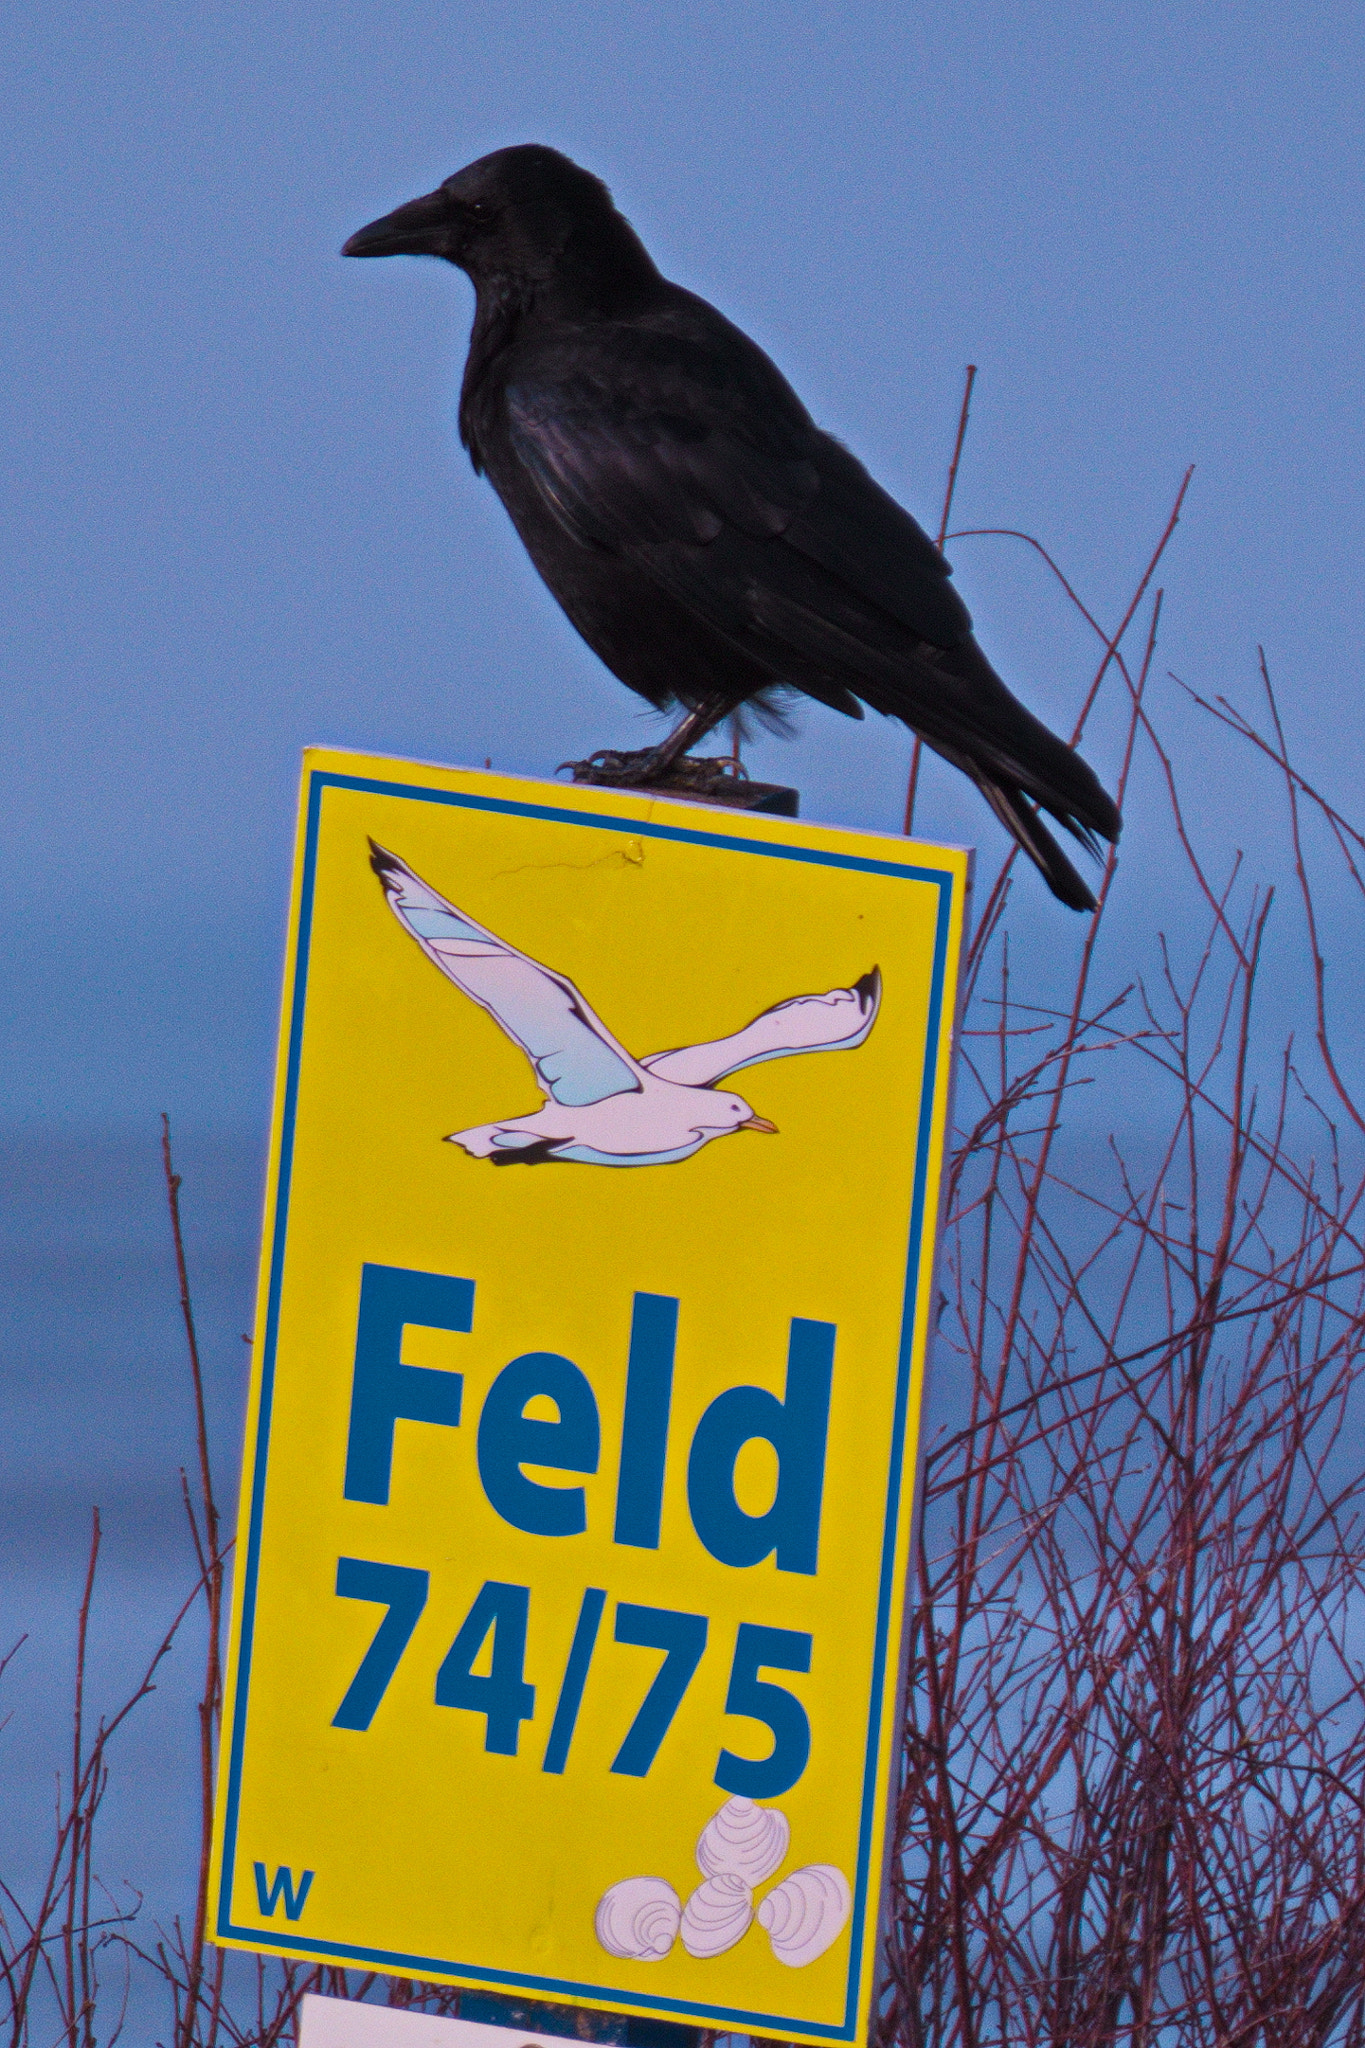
(270, 1893)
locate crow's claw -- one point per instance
(616, 769)
(610, 769)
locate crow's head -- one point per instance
(527, 215)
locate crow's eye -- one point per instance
(480, 210)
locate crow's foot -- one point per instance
(647, 769)
(722, 780)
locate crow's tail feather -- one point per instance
(1021, 820)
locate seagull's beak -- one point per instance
(757, 1123)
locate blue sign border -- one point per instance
(319, 781)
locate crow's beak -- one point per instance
(757, 1123)
(421, 228)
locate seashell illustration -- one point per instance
(805, 1913)
(717, 1915)
(638, 1919)
(744, 1840)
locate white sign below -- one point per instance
(341, 2023)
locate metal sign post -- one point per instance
(578, 1484)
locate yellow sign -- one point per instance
(578, 1481)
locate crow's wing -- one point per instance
(835, 1022)
(813, 628)
(672, 441)
(667, 430)
(575, 1057)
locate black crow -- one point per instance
(709, 542)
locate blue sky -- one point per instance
(237, 520)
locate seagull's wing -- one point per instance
(576, 1059)
(835, 1022)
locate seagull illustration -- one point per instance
(603, 1107)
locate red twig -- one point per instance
(208, 1551)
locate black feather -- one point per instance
(384, 864)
